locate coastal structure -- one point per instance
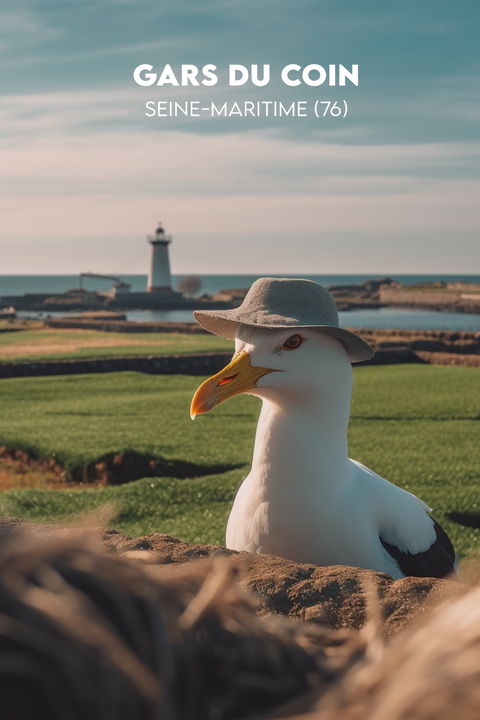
(159, 278)
(158, 295)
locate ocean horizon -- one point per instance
(211, 283)
(382, 318)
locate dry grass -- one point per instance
(109, 637)
(19, 471)
(104, 637)
(69, 341)
(430, 673)
(44, 344)
(13, 477)
(47, 347)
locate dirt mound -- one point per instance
(331, 596)
(124, 467)
(20, 469)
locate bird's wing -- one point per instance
(422, 504)
(438, 561)
(411, 537)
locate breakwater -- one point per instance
(461, 301)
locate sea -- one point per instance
(381, 318)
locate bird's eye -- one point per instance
(293, 342)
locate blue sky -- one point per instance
(393, 187)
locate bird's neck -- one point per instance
(302, 446)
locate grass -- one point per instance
(15, 325)
(194, 510)
(77, 419)
(416, 425)
(52, 344)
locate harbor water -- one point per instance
(211, 284)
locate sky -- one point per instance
(392, 187)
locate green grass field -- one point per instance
(418, 426)
(52, 344)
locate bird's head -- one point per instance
(301, 365)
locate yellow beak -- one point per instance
(237, 377)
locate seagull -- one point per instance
(304, 498)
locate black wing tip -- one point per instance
(439, 561)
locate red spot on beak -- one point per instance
(226, 380)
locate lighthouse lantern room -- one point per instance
(159, 278)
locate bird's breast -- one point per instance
(295, 522)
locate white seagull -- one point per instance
(304, 498)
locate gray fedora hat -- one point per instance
(275, 303)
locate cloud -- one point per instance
(182, 164)
(48, 114)
(21, 30)
(251, 184)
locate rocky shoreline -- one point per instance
(458, 297)
(461, 297)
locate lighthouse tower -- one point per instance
(159, 279)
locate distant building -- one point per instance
(120, 288)
(157, 296)
(159, 278)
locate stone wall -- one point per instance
(430, 300)
(108, 325)
(211, 363)
(195, 364)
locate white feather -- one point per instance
(304, 499)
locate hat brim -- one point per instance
(224, 323)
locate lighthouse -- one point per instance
(159, 279)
